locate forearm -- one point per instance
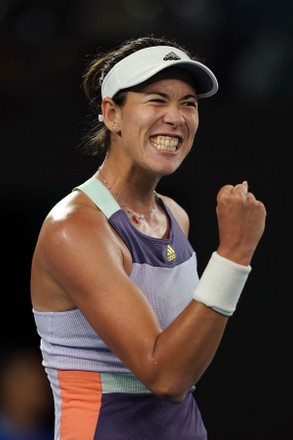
(185, 349)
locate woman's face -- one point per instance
(159, 121)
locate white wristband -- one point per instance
(221, 284)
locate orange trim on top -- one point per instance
(81, 395)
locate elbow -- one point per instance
(170, 395)
(169, 391)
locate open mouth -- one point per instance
(165, 143)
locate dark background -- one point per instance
(245, 133)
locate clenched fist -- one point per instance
(241, 222)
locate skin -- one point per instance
(77, 239)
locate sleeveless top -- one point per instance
(166, 272)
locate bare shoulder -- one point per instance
(75, 240)
(178, 211)
(73, 219)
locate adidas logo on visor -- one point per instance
(171, 56)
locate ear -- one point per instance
(111, 113)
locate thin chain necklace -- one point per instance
(135, 217)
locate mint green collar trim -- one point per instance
(100, 195)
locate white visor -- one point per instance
(145, 63)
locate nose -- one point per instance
(174, 116)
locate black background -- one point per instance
(245, 133)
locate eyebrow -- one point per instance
(165, 95)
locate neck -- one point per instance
(136, 217)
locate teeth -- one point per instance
(165, 143)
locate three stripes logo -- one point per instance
(171, 56)
(170, 253)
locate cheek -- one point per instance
(138, 126)
(196, 128)
(193, 125)
(135, 120)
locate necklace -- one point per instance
(135, 217)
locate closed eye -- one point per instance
(190, 104)
(160, 100)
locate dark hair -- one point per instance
(97, 140)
